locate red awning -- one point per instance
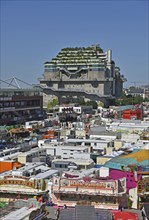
(118, 215)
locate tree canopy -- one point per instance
(130, 100)
(88, 103)
(52, 104)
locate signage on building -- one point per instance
(24, 181)
(17, 182)
(113, 185)
(106, 185)
(15, 176)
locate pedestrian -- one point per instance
(40, 199)
(65, 206)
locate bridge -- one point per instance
(60, 92)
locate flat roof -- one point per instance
(42, 168)
(64, 147)
(10, 156)
(46, 174)
(35, 150)
(29, 166)
(6, 173)
(69, 147)
(9, 150)
(81, 173)
(77, 140)
(77, 161)
(19, 214)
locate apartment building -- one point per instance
(31, 155)
(104, 194)
(20, 105)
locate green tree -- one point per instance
(130, 202)
(93, 103)
(129, 100)
(52, 104)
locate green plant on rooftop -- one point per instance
(77, 55)
(52, 104)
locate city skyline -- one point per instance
(33, 32)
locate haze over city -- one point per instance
(33, 32)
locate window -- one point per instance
(58, 165)
(64, 166)
(108, 185)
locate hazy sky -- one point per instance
(34, 31)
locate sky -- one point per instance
(34, 31)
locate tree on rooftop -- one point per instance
(52, 104)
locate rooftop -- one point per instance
(46, 174)
(79, 55)
(139, 158)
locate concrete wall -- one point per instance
(70, 153)
(64, 133)
(109, 150)
(133, 195)
(94, 85)
(102, 160)
(132, 138)
(80, 133)
(118, 144)
(99, 75)
(104, 171)
(64, 151)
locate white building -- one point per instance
(30, 155)
(64, 151)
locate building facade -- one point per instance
(13, 186)
(105, 194)
(78, 73)
(20, 105)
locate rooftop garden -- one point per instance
(84, 49)
(78, 55)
